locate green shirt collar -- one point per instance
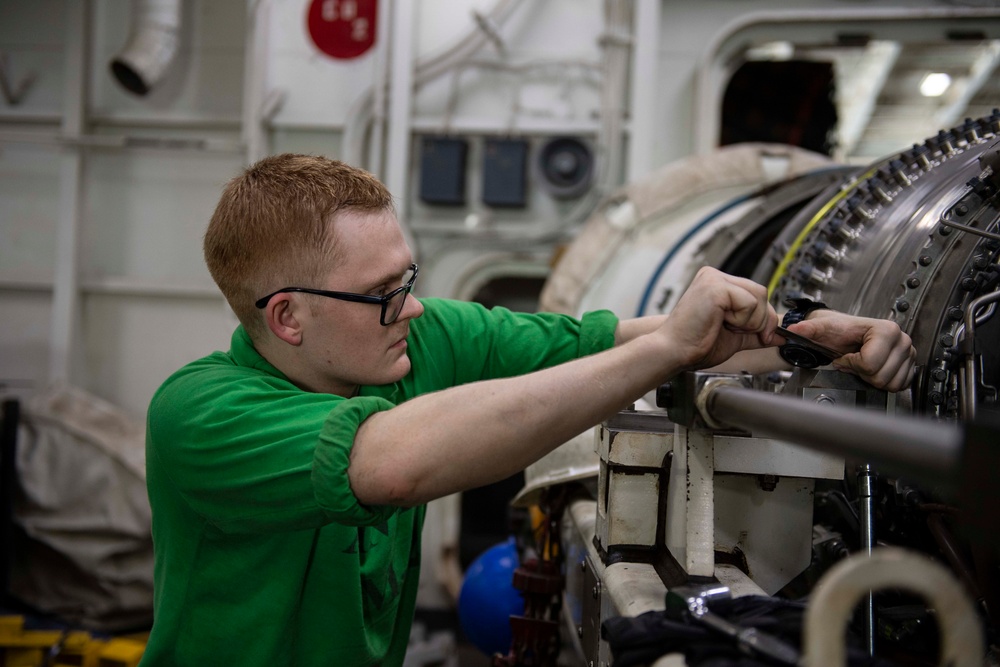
(245, 354)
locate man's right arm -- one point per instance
(471, 435)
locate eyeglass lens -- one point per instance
(395, 305)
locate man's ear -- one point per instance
(283, 316)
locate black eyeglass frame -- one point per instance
(351, 296)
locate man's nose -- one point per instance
(412, 308)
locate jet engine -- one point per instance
(913, 238)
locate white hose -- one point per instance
(151, 46)
(839, 591)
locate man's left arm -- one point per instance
(875, 350)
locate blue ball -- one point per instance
(488, 598)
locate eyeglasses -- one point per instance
(392, 303)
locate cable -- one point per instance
(779, 272)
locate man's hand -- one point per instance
(877, 351)
(718, 316)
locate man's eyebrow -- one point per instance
(390, 276)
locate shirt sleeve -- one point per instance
(250, 453)
(333, 489)
(459, 342)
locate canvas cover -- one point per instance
(83, 551)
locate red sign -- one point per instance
(342, 28)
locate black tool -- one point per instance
(803, 352)
(694, 600)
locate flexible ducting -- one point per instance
(151, 46)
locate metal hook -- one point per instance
(13, 94)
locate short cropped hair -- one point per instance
(271, 227)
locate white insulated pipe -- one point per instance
(151, 46)
(838, 592)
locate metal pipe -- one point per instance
(151, 47)
(380, 93)
(66, 289)
(866, 514)
(952, 553)
(397, 160)
(645, 69)
(921, 449)
(254, 133)
(971, 377)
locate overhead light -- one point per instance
(771, 51)
(934, 84)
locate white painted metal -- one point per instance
(400, 102)
(642, 104)
(714, 500)
(693, 456)
(255, 136)
(627, 589)
(616, 45)
(383, 64)
(771, 529)
(628, 486)
(760, 456)
(153, 39)
(65, 304)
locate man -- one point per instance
(288, 476)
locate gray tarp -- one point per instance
(83, 505)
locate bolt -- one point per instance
(944, 230)
(936, 398)
(969, 284)
(902, 305)
(961, 209)
(981, 261)
(956, 313)
(939, 374)
(767, 482)
(925, 260)
(913, 282)
(947, 340)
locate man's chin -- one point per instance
(400, 369)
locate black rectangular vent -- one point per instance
(442, 170)
(504, 172)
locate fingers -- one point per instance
(719, 315)
(878, 351)
(744, 302)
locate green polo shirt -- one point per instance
(263, 554)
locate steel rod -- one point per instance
(866, 514)
(920, 449)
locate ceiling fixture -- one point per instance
(934, 84)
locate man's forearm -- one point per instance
(475, 434)
(749, 361)
(631, 329)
